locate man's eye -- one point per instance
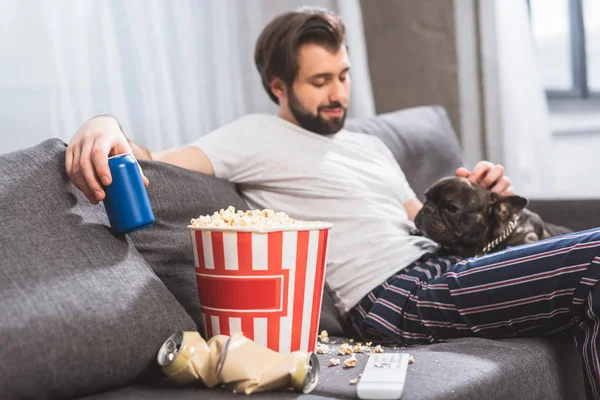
(452, 209)
(318, 84)
(342, 78)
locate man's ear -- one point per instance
(507, 206)
(278, 88)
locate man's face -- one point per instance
(318, 99)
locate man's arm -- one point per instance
(86, 158)
(412, 207)
(139, 151)
(188, 157)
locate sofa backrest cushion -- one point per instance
(177, 195)
(82, 311)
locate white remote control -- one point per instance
(383, 376)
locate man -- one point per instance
(385, 282)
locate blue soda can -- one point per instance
(126, 201)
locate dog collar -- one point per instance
(503, 236)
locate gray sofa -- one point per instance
(84, 312)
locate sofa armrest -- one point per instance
(574, 214)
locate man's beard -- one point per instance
(316, 123)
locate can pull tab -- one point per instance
(171, 351)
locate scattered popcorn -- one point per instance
(378, 349)
(324, 337)
(359, 348)
(368, 344)
(411, 360)
(346, 349)
(322, 349)
(350, 362)
(351, 340)
(251, 218)
(334, 361)
(354, 381)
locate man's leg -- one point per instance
(530, 290)
(387, 315)
(587, 340)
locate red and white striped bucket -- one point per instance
(268, 285)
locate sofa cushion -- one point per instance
(476, 368)
(421, 139)
(82, 312)
(177, 195)
(466, 369)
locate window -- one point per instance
(567, 37)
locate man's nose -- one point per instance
(338, 93)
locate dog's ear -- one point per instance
(504, 207)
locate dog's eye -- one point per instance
(452, 209)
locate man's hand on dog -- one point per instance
(490, 176)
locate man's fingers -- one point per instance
(502, 187)
(492, 176)
(69, 161)
(78, 179)
(480, 170)
(146, 182)
(463, 172)
(87, 169)
(509, 191)
(100, 153)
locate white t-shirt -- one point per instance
(349, 179)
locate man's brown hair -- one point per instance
(276, 51)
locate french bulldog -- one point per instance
(470, 220)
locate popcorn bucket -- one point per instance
(266, 283)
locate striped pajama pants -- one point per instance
(536, 289)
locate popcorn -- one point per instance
(230, 218)
(359, 348)
(378, 349)
(368, 344)
(350, 362)
(354, 381)
(322, 349)
(411, 360)
(346, 349)
(334, 361)
(324, 336)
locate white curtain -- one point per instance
(523, 108)
(169, 70)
